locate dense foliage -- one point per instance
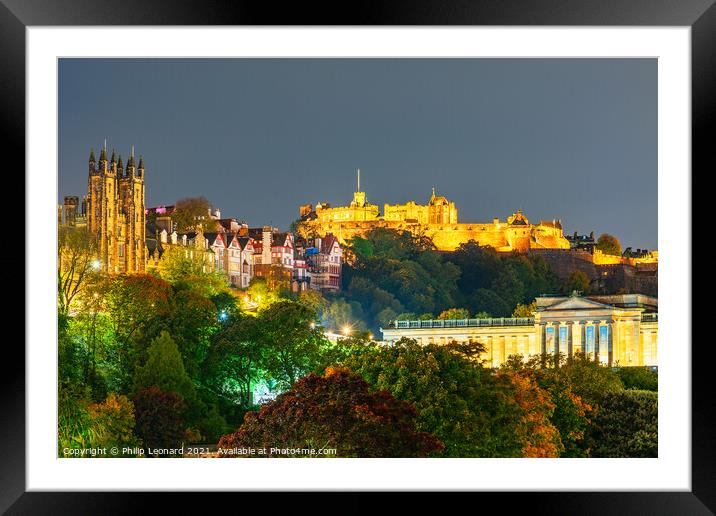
(626, 425)
(175, 357)
(334, 411)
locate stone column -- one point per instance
(604, 344)
(576, 337)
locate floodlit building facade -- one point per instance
(617, 330)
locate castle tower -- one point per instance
(115, 212)
(359, 200)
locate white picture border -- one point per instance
(671, 471)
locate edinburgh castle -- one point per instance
(438, 220)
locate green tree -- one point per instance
(295, 344)
(235, 361)
(472, 412)
(639, 378)
(77, 266)
(626, 425)
(484, 300)
(164, 368)
(336, 410)
(191, 213)
(578, 281)
(609, 244)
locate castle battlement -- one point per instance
(438, 219)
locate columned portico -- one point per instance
(613, 335)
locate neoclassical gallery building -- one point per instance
(616, 330)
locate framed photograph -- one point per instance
(423, 243)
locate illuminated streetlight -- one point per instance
(313, 325)
(96, 264)
(346, 330)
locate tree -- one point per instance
(115, 419)
(509, 287)
(164, 368)
(626, 425)
(522, 310)
(484, 300)
(571, 415)
(454, 313)
(136, 305)
(186, 268)
(295, 344)
(457, 400)
(539, 437)
(159, 417)
(609, 244)
(639, 378)
(235, 361)
(191, 213)
(578, 281)
(77, 265)
(336, 410)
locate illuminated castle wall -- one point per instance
(437, 219)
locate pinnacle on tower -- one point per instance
(91, 158)
(114, 157)
(130, 161)
(119, 163)
(103, 154)
(141, 162)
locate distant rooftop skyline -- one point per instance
(569, 139)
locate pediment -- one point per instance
(576, 303)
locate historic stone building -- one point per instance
(438, 220)
(115, 212)
(614, 330)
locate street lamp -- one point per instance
(96, 264)
(346, 330)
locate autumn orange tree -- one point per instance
(535, 432)
(336, 410)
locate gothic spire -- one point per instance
(91, 158)
(103, 154)
(114, 157)
(119, 164)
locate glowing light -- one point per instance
(96, 264)
(346, 330)
(313, 325)
(370, 337)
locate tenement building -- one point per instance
(115, 211)
(438, 220)
(616, 330)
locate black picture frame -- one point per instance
(700, 15)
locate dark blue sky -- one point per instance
(573, 139)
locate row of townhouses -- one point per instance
(242, 253)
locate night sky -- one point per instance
(569, 139)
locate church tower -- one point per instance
(115, 212)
